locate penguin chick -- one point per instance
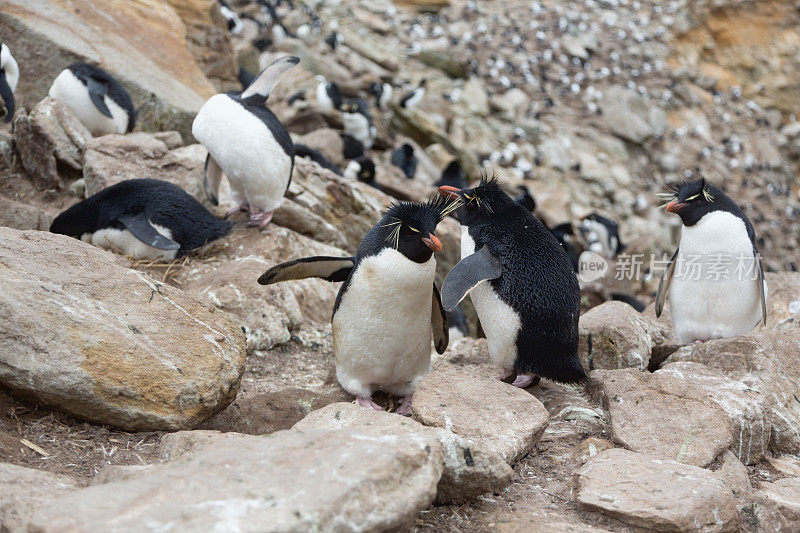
(601, 235)
(387, 305)
(521, 283)
(9, 77)
(382, 93)
(328, 94)
(142, 218)
(404, 158)
(453, 176)
(96, 99)
(247, 142)
(414, 97)
(358, 122)
(719, 291)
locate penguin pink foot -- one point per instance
(523, 381)
(405, 406)
(260, 219)
(365, 401)
(241, 207)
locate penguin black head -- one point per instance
(692, 200)
(375, 88)
(9, 76)
(479, 205)
(357, 105)
(410, 228)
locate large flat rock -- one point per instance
(654, 494)
(287, 481)
(82, 334)
(503, 419)
(25, 489)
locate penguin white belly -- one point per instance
(358, 127)
(382, 328)
(500, 322)
(71, 91)
(323, 98)
(386, 96)
(709, 305)
(124, 242)
(258, 169)
(415, 98)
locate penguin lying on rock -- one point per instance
(522, 284)
(142, 218)
(387, 305)
(247, 142)
(97, 99)
(9, 76)
(724, 294)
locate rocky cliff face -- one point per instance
(592, 106)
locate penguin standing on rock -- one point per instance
(9, 77)
(521, 283)
(718, 289)
(142, 218)
(329, 95)
(96, 98)
(414, 97)
(388, 304)
(358, 122)
(247, 142)
(382, 93)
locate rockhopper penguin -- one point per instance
(387, 305)
(142, 218)
(96, 98)
(522, 284)
(247, 142)
(9, 77)
(718, 289)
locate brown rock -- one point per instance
(469, 470)
(110, 360)
(614, 335)
(50, 142)
(329, 142)
(272, 411)
(783, 304)
(778, 505)
(655, 494)
(734, 474)
(289, 481)
(24, 490)
(768, 363)
(22, 216)
(501, 418)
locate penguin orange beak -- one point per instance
(449, 192)
(432, 242)
(673, 207)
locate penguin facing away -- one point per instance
(9, 77)
(96, 98)
(726, 295)
(453, 176)
(521, 283)
(387, 306)
(142, 218)
(247, 142)
(404, 158)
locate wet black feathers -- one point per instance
(164, 203)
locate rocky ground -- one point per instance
(109, 418)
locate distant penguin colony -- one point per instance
(388, 304)
(96, 98)
(521, 283)
(142, 218)
(247, 142)
(716, 234)
(602, 235)
(9, 77)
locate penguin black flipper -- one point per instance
(441, 331)
(212, 175)
(327, 268)
(761, 293)
(663, 285)
(468, 273)
(141, 228)
(97, 92)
